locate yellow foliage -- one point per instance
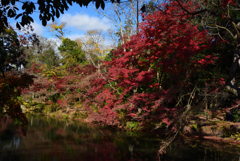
(56, 71)
(57, 30)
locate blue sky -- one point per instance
(79, 20)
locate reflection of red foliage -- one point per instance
(5, 121)
(60, 131)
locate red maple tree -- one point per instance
(146, 73)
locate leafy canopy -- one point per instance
(48, 10)
(11, 54)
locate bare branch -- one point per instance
(226, 30)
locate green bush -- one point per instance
(133, 125)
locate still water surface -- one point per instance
(49, 139)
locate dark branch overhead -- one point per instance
(48, 10)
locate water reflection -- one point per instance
(52, 140)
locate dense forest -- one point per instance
(178, 62)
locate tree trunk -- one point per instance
(231, 83)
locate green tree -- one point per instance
(71, 53)
(42, 53)
(10, 48)
(50, 58)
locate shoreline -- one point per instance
(217, 131)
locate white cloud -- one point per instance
(75, 36)
(108, 43)
(84, 22)
(83, 37)
(56, 41)
(38, 29)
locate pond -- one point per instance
(50, 139)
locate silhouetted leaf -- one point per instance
(69, 1)
(5, 2)
(18, 16)
(24, 6)
(102, 5)
(11, 13)
(15, 8)
(97, 4)
(18, 26)
(44, 22)
(30, 19)
(13, 2)
(57, 13)
(32, 5)
(47, 9)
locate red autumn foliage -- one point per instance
(10, 89)
(64, 90)
(165, 45)
(145, 76)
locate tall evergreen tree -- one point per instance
(71, 53)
